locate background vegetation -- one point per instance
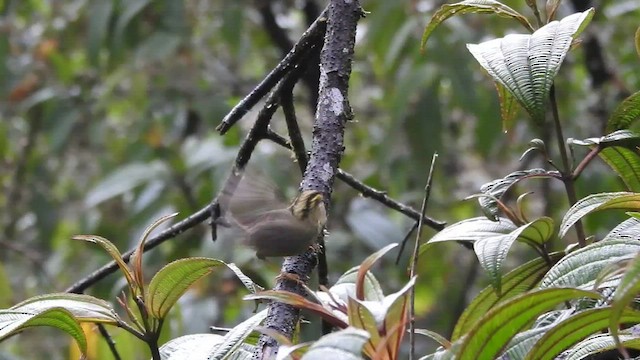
(109, 110)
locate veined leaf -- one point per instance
(597, 202)
(625, 114)
(517, 281)
(473, 229)
(492, 251)
(497, 188)
(626, 163)
(235, 338)
(15, 321)
(625, 292)
(522, 343)
(173, 280)
(626, 230)
(115, 254)
(492, 333)
(360, 317)
(345, 345)
(582, 266)
(396, 317)
(600, 343)
(620, 151)
(471, 7)
(574, 329)
(85, 308)
(527, 64)
(625, 138)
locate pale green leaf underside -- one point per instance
(596, 202)
(527, 64)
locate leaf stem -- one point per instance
(567, 176)
(587, 159)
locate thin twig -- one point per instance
(414, 263)
(368, 191)
(309, 39)
(414, 227)
(567, 177)
(110, 343)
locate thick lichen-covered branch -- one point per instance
(332, 114)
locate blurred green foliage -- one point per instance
(108, 109)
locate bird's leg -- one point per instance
(292, 277)
(316, 247)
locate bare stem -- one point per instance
(414, 264)
(566, 172)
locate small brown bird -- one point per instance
(269, 226)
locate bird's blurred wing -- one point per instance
(247, 196)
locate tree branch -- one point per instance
(309, 39)
(326, 150)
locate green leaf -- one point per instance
(597, 202)
(492, 333)
(527, 64)
(625, 114)
(582, 266)
(625, 292)
(626, 163)
(626, 230)
(434, 336)
(364, 267)
(113, 251)
(173, 280)
(520, 345)
(344, 345)
(574, 329)
(246, 281)
(471, 7)
(600, 343)
(396, 317)
(15, 321)
(620, 151)
(492, 251)
(372, 288)
(136, 257)
(473, 229)
(508, 107)
(497, 188)
(234, 338)
(85, 308)
(517, 281)
(193, 346)
(360, 317)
